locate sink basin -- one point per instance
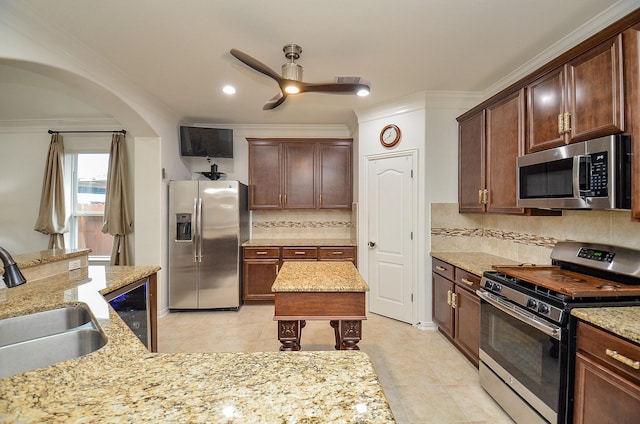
(44, 338)
(44, 351)
(40, 324)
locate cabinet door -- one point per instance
(471, 175)
(299, 176)
(335, 175)
(545, 103)
(596, 99)
(602, 396)
(467, 323)
(259, 276)
(265, 175)
(442, 311)
(504, 143)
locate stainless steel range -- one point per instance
(527, 344)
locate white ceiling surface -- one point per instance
(179, 51)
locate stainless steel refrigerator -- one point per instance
(208, 222)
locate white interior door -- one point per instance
(391, 236)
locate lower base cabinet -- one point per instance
(260, 265)
(456, 307)
(607, 380)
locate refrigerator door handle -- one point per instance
(195, 230)
(200, 235)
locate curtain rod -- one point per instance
(85, 132)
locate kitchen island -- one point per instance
(332, 291)
(124, 382)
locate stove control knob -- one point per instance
(497, 287)
(532, 303)
(488, 284)
(543, 308)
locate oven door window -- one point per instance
(530, 356)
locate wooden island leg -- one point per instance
(350, 334)
(336, 330)
(289, 334)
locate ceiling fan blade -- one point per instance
(333, 88)
(255, 64)
(275, 101)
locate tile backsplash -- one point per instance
(309, 224)
(527, 238)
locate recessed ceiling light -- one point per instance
(229, 89)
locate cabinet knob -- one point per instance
(372, 244)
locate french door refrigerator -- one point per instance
(208, 222)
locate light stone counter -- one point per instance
(473, 262)
(329, 276)
(299, 242)
(623, 321)
(123, 382)
(30, 260)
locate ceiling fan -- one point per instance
(291, 80)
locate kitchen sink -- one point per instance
(40, 324)
(45, 338)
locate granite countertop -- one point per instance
(623, 320)
(123, 382)
(299, 242)
(28, 260)
(473, 262)
(329, 276)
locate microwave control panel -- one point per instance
(598, 175)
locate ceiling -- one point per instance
(179, 51)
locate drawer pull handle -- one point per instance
(300, 253)
(439, 268)
(261, 253)
(621, 358)
(464, 280)
(337, 252)
(449, 297)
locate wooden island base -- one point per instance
(344, 311)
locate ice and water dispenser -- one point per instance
(183, 227)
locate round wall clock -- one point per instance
(390, 135)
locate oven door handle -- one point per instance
(522, 315)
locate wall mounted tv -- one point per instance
(206, 142)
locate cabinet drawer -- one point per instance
(261, 252)
(443, 268)
(467, 279)
(299, 253)
(615, 352)
(337, 253)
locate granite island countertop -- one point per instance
(473, 262)
(329, 276)
(123, 382)
(28, 260)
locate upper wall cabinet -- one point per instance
(300, 173)
(489, 143)
(580, 100)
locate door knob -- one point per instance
(372, 244)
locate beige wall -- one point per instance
(527, 238)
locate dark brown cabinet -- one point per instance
(489, 143)
(456, 307)
(335, 175)
(607, 381)
(300, 173)
(260, 265)
(260, 269)
(580, 100)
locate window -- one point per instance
(86, 178)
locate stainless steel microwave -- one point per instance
(594, 174)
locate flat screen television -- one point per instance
(211, 142)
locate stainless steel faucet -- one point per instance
(12, 275)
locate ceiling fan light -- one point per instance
(363, 92)
(292, 89)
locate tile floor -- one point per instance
(425, 379)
